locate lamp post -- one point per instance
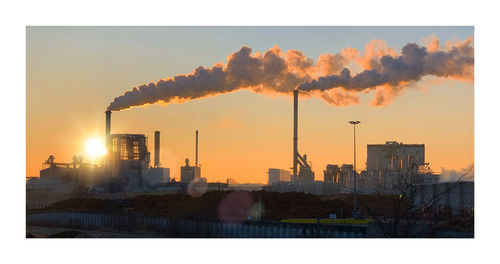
(354, 123)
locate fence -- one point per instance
(166, 227)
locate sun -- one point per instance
(94, 147)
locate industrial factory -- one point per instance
(126, 168)
(387, 166)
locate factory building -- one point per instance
(126, 168)
(305, 173)
(129, 161)
(67, 177)
(446, 198)
(389, 167)
(336, 174)
(347, 175)
(386, 181)
(331, 173)
(393, 164)
(63, 171)
(190, 173)
(279, 175)
(394, 156)
(157, 176)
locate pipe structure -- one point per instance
(108, 136)
(196, 160)
(295, 132)
(157, 149)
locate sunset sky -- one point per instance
(74, 73)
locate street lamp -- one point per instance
(354, 123)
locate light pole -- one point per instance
(354, 123)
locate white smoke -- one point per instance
(464, 174)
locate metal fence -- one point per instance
(184, 227)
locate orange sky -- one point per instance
(72, 76)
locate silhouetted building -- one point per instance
(279, 175)
(190, 173)
(331, 173)
(394, 156)
(129, 161)
(157, 176)
(305, 173)
(392, 165)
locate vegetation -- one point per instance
(392, 212)
(275, 206)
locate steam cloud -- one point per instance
(455, 175)
(277, 72)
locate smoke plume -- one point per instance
(390, 74)
(329, 78)
(465, 174)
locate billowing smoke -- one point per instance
(272, 72)
(465, 174)
(390, 74)
(328, 78)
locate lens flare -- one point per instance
(235, 207)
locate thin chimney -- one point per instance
(295, 132)
(196, 160)
(157, 149)
(108, 136)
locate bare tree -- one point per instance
(401, 217)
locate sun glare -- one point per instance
(95, 148)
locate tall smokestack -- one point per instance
(108, 136)
(157, 149)
(295, 133)
(196, 160)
